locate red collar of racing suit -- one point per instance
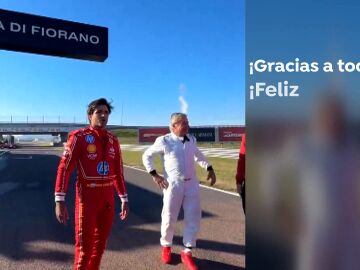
(101, 132)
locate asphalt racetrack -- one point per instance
(31, 237)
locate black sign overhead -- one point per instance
(42, 35)
(203, 134)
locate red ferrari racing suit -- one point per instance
(240, 174)
(96, 154)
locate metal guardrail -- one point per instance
(44, 119)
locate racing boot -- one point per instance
(166, 255)
(187, 260)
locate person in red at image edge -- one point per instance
(96, 154)
(240, 175)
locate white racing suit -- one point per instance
(179, 170)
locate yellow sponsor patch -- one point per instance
(91, 148)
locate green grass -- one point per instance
(126, 136)
(225, 169)
(228, 145)
(129, 136)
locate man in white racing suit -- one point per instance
(178, 151)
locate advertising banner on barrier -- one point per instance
(42, 35)
(149, 135)
(203, 134)
(231, 134)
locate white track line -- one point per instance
(212, 188)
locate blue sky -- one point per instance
(158, 51)
(315, 31)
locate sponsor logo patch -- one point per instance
(112, 152)
(66, 153)
(103, 168)
(91, 148)
(89, 138)
(92, 156)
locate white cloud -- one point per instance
(183, 103)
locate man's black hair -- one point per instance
(101, 101)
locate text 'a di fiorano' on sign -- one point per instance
(284, 88)
(49, 32)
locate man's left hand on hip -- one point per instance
(212, 177)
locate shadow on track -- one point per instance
(206, 264)
(27, 211)
(27, 215)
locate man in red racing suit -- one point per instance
(96, 154)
